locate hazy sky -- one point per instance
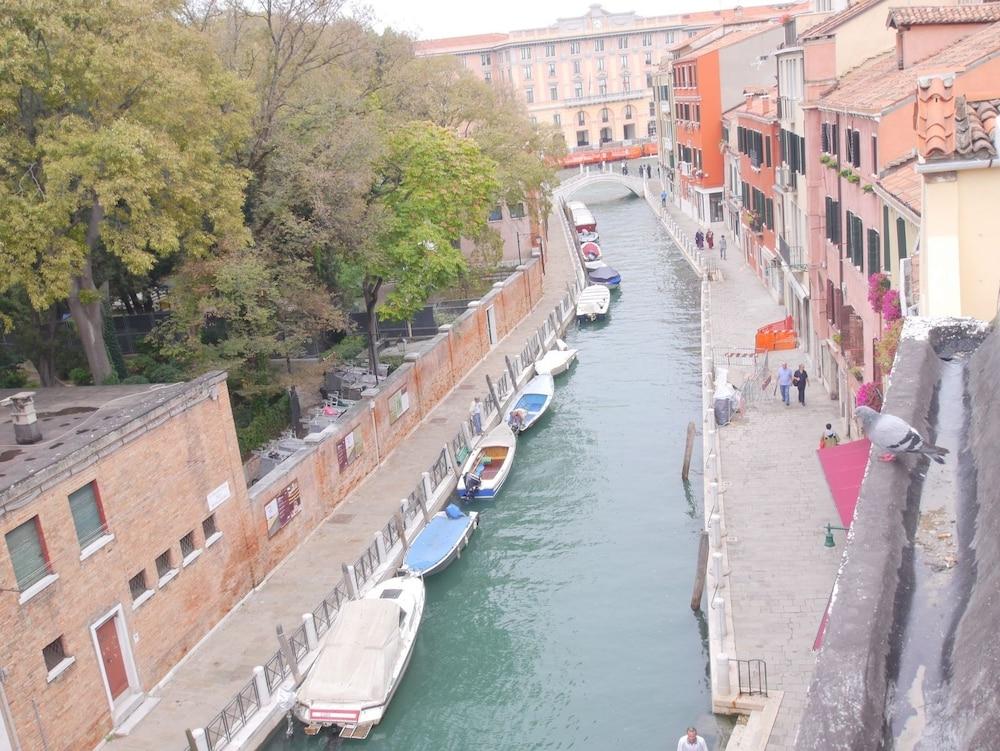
(428, 19)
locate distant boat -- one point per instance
(591, 265)
(362, 659)
(488, 465)
(589, 237)
(557, 360)
(440, 542)
(605, 275)
(531, 402)
(593, 302)
(591, 251)
(583, 220)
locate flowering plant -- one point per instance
(892, 310)
(885, 348)
(869, 395)
(878, 285)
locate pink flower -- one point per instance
(878, 285)
(869, 395)
(891, 308)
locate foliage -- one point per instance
(853, 179)
(846, 172)
(878, 285)
(260, 419)
(349, 347)
(11, 375)
(891, 306)
(869, 395)
(868, 188)
(837, 338)
(134, 380)
(825, 159)
(885, 348)
(80, 377)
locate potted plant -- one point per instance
(869, 395)
(892, 309)
(868, 188)
(878, 285)
(858, 373)
(837, 338)
(846, 172)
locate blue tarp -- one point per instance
(434, 542)
(531, 402)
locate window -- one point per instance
(671, 37)
(598, 45)
(88, 516)
(602, 88)
(651, 128)
(647, 40)
(487, 77)
(832, 220)
(624, 62)
(873, 251)
(886, 251)
(769, 213)
(628, 111)
(526, 72)
(137, 585)
(574, 48)
(649, 81)
(582, 138)
(581, 118)
(623, 43)
(165, 567)
(526, 53)
(901, 236)
(550, 50)
(496, 213)
(578, 90)
(855, 148)
(648, 58)
(485, 58)
(605, 115)
(697, 113)
(529, 96)
(187, 544)
(874, 155)
(576, 67)
(557, 119)
(28, 553)
(54, 654)
(552, 70)
(767, 151)
(600, 63)
(553, 93)
(652, 109)
(855, 239)
(626, 85)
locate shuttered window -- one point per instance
(87, 514)
(901, 236)
(27, 553)
(873, 252)
(856, 148)
(824, 136)
(887, 257)
(850, 236)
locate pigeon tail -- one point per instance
(937, 453)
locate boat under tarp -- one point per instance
(593, 302)
(440, 542)
(605, 275)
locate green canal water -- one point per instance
(566, 624)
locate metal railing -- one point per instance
(234, 716)
(367, 564)
(751, 677)
(460, 446)
(439, 470)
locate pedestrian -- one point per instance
(699, 239)
(691, 741)
(710, 239)
(722, 247)
(649, 171)
(829, 439)
(477, 416)
(658, 173)
(799, 379)
(603, 166)
(785, 382)
(663, 198)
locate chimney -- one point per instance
(765, 103)
(22, 410)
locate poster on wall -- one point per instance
(398, 404)
(349, 448)
(283, 508)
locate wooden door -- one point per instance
(112, 658)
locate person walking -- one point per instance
(663, 198)
(477, 416)
(829, 439)
(691, 741)
(710, 239)
(799, 380)
(785, 383)
(699, 239)
(722, 247)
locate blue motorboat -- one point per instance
(531, 402)
(605, 276)
(440, 542)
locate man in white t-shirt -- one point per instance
(691, 741)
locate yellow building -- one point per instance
(590, 75)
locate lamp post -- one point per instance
(518, 236)
(829, 541)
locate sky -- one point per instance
(430, 19)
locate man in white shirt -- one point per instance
(691, 741)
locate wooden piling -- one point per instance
(688, 448)
(493, 395)
(699, 575)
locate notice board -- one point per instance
(283, 507)
(349, 448)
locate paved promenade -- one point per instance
(776, 502)
(224, 661)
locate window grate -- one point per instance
(164, 564)
(187, 544)
(208, 527)
(137, 585)
(54, 653)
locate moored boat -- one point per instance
(362, 659)
(593, 302)
(591, 265)
(440, 542)
(531, 402)
(605, 275)
(589, 237)
(556, 360)
(488, 465)
(590, 251)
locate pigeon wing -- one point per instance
(889, 432)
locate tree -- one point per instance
(430, 189)
(116, 127)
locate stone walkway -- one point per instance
(223, 663)
(777, 502)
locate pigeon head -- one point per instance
(867, 415)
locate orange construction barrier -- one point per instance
(776, 336)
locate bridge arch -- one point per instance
(578, 182)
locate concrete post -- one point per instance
(312, 639)
(402, 514)
(717, 568)
(510, 369)
(401, 526)
(260, 681)
(715, 531)
(723, 685)
(286, 648)
(350, 581)
(425, 478)
(197, 741)
(719, 608)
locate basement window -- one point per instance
(165, 568)
(56, 659)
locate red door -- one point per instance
(111, 656)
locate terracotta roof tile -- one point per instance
(727, 39)
(829, 26)
(975, 128)
(935, 115)
(904, 184)
(921, 15)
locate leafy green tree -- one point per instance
(116, 126)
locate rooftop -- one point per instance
(80, 422)
(831, 24)
(879, 83)
(904, 184)
(737, 35)
(761, 101)
(922, 15)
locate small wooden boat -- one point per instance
(557, 360)
(488, 465)
(606, 276)
(531, 402)
(589, 237)
(440, 542)
(362, 659)
(593, 302)
(590, 251)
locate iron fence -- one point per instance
(299, 643)
(275, 670)
(412, 507)
(233, 717)
(460, 447)
(752, 677)
(366, 564)
(390, 534)
(439, 470)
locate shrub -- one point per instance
(260, 419)
(891, 307)
(878, 285)
(111, 380)
(846, 172)
(350, 347)
(134, 380)
(853, 179)
(80, 377)
(868, 188)
(869, 395)
(164, 373)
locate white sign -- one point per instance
(218, 496)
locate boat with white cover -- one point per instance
(488, 465)
(591, 265)
(556, 360)
(362, 659)
(589, 237)
(440, 542)
(593, 302)
(531, 402)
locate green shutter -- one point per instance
(86, 515)
(901, 235)
(886, 254)
(873, 252)
(26, 554)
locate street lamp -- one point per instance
(518, 236)
(829, 542)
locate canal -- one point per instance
(566, 624)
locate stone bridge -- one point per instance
(588, 177)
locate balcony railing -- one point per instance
(787, 108)
(793, 255)
(614, 96)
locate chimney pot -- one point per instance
(22, 411)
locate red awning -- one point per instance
(844, 469)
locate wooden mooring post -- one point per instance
(699, 574)
(688, 448)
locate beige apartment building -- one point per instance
(590, 75)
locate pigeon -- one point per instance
(896, 436)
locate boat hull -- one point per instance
(533, 400)
(454, 553)
(556, 362)
(499, 440)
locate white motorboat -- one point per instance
(589, 237)
(440, 542)
(531, 402)
(593, 302)
(592, 265)
(488, 465)
(590, 252)
(362, 659)
(557, 360)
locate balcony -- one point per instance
(788, 108)
(793, 256)
(614, 96)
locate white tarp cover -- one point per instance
(357, 661)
